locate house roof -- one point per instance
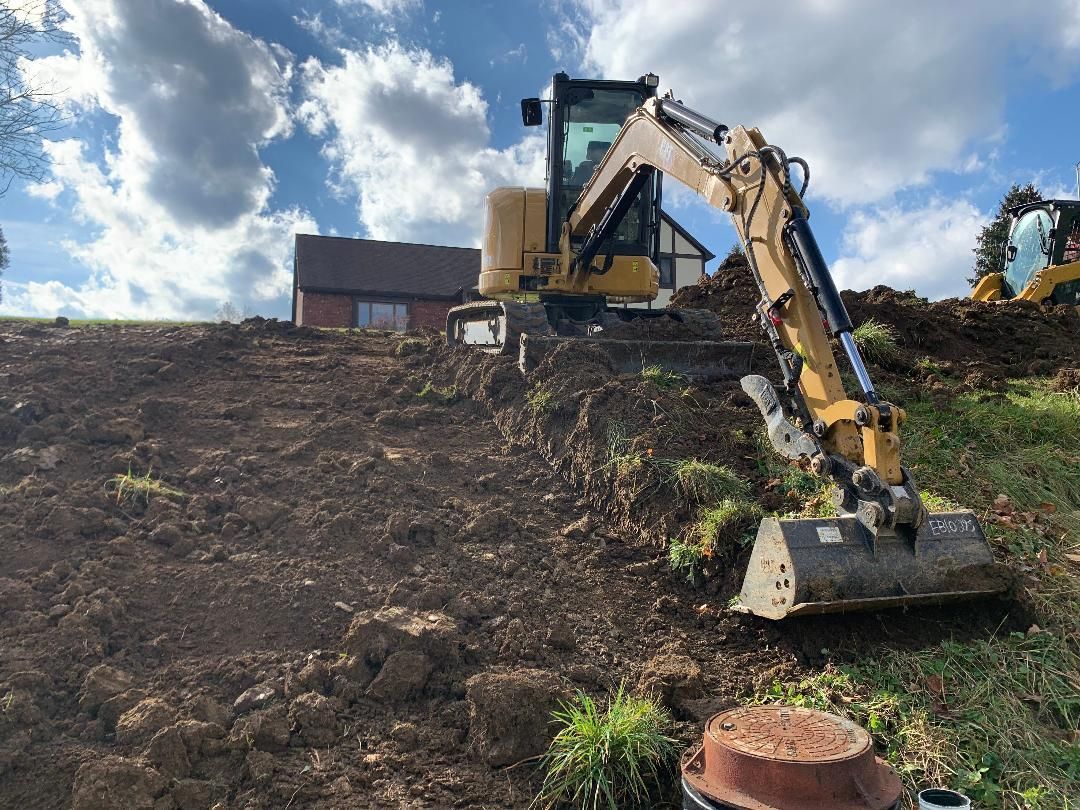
(361, 266)
(348, 266)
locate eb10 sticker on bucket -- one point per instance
(829, 534)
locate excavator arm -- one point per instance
(856, 442)
(883, 549)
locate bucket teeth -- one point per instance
(833, 565)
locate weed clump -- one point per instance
(606, 758)
(686, 557)
(725, 524)
(703, 482)
(140, 489)
(446, 395)
(411, 346)
(876, 340)
(660, 377)
(540, 400)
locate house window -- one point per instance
(382, 315)
(667, 275)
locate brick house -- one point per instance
(364, 282)
(342, 282)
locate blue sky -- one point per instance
(202, 136)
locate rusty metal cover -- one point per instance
(787, 758)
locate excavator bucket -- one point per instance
(702, 360)
(833, 565)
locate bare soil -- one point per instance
(381, 565)
(363, 596)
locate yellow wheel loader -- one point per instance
(1042, 256)
(553, 260)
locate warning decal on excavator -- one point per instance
(829, 534)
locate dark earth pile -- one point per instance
(988, 342)
(377, 564)
(357, 593)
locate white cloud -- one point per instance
(411, 143)
(384, 7)
(179, 205)
(927, 249)
(875, 94)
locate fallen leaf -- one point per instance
(1073, 557)
(343, 606)
(935, 685)
(1034, 629)
(1042, 556)
(1048, 507)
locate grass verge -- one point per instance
(996, 718)
(993, 719)
(611, 757)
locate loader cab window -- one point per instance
(1029, 246)
(591, 118)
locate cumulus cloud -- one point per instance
(411, 143)
(876, 94)
(179, 205)
(925, 248)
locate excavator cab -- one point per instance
(1042, 256)
(585, 117)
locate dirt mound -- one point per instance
(322, 542)
(989, 342)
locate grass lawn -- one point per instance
(996, 718)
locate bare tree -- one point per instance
(29, 108)
(5, 258)
(229, 312)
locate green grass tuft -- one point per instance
(607, 758)
(686, 557)
(446, 395)
(540, 400)
(725, 524)
(140, 489)
(876, 340)
(703, 482)
(661, 377)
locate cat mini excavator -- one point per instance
(883, 549)
(1042, 256)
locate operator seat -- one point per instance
(593, 155)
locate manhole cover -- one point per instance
(761, 757)
(789, 733)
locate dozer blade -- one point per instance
(703, 360)
(833, 565)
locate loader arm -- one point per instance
(856, 443)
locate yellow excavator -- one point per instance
(555, 259)
(1042, 256)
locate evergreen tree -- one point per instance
(990, 243)
(3, 261)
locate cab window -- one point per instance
(1029, 246)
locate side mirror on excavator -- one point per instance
(532, 114)
(1010, 253)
